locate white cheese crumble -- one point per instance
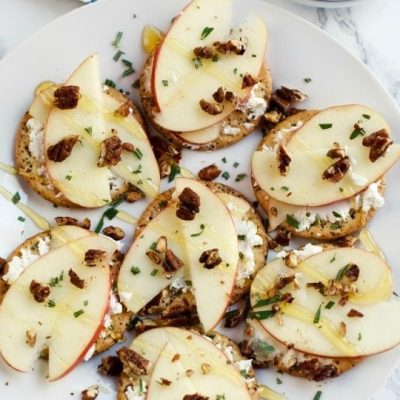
(18, 264)
(244, 365)
(280, 135)
(358, 180)
(306, 251)
(36, 139)
(255, 106)
(230, 130)
(125, 296)
(89, 353)
(248, 125)
(371, 198)
(115, 306)
(137, 392)
(115, 182)
(179, 284)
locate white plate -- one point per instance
(331, 3)
(297, 50)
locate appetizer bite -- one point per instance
(58, 302)
(195, 252)
(82, 144)
(207, 85)
(317, 313)
(320, 174)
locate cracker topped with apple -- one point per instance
(320, 174)
(82, 144)
(207, 85)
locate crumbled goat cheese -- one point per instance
(19, 263)
(36, 139)
(255, 106)
(248, 125)
(371, 198)
(137, 392)
(90, 353)
(306, 251)
(115, 306)
(115, 182)
(359, 180)
(244, 365)
(280, 135)
(179, 284)
(125, 296)
(230, 130)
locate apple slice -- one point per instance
(212, 228)
(307, 149)
(190, 79)
(42, 104)
(69, 320)
(316, 328)
(201, 136)
(159, 347)
(78, 177)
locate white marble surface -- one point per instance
(370, 31)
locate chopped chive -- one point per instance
(78, 313)
(292, 221)
(128, 71)
(235, 70)
(235, 164)
(341, 272)
(165, 82)
(51, 303)
(68, 177)
(115, 43)
(333, 258)
(154, 272)
(240, 177)
(254, 55)
(197, 62)
(206, 31)
(175, 170)
(127, 63)
(366, 116)
(341, 189)
(330, 304)
(110, 83)
(278, 381)
(317, 316)
(267, 302)
(357, 132)
(336, 214)
(226, 175)
(117, 55)
(224, 160)
(325, 126)
(317, 395)
(241, 237)
(20, 218)
(135, 270)
(307, 80)
(265, 347)
(202, 227)
(89, 130)
(110, 213)
(16, 198)
(85, 303)
(284, 188)
(138, 153)
(262, 314)
(359, 337)
(215, 58)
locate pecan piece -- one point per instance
(110, 151)
(39, 291)
(325, 372)
(283, 159)
(291, 260)
(355, 313)
(209, 173)
(66, 97)
(219, 95)
(189, 205)
(235, 46)
(124, 110)
(337, 170)
(133, 195)
(161, 245)
(62, 221)
(282, 237)
(230, 96)
(248, 81)
(211, 108)
(210, 258)
(284, 99)
(61, 150)
(352, 273)
(90, 393)
(110, 365)
(171, 263)
(204, 52)
(3, 264)
(75, 280)
(378, 142)
(195, 396)
(133, 360)
(31, 338)
(93, 257)
(273, 116)
(154, 257)
(128, 147)
(342, 329)
(164, 382)
(167, 154)
(114, 232)
(336, 152)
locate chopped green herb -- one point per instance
(278, 381)
(110, 83)
(241, 255)
(226, 175)
(20, 218)
(89, 130)
(153, 246)
(262, 314)
(341, 189)
(317, 395)
(68, 177)
(265, 347)
(110, 213)
(235, 164)
(366, 116)
(117, 40)
(292, 221)
(127, 63)
(240, 177)
(51, 303)
(175, 170)
(333, 258)
(206, 31)
(16, 198)
(154, 272)
(254, 55)
(117, 55)
(272, 188)
(325, 126)
(85, 303)
(284, 188)
(341, 272)
(336, 225)
(202, 227)
(56, 281)
(307, 80)
(357, 132)
(317, 315)
(359, 337)
(197, 62)
(138, 153)
(220, 397)
(267, 302)
(165, 82)
(128, 72)
(235, 71)
(336, 214)
(78, 313)
(224, 160)
(330, 304)
(135, 270)
(242, 237)
(138, 170)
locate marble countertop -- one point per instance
(368, 31)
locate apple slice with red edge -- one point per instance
(308, 148)
(70, 319)
(313, 326)
(180, 80)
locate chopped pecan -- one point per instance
(355, 313)
(283, 159)
(204, 52)
(205, 368)
(114, 232)
(62, 221)
(61, 150)
(93, 257)
(336, 152)
(219, 95)
(230, 96)
(337, 170)
(133, 361)
(210, 258)
(124, 110)
(235, 46)
(90, 393)
(284, 281)
(325, 372)
(176, 357)
(195, 397)
(273, 211)
(161, 245)
(273, 116)
(154, 256)
(234, 317)
(110, 151)
(209, 173)
(75, 279)
(248, 81)
(39, 291)
(346, 241)
(189, 205)
(378, 142)
(128, 147)
(133, 195)
(167, 154)
(282, 237)
(66, 97)
(211, 108)
(171, 263)
(291, 260)
(342, 329)
(284, 99)
(3, 264)
(31, 338)
(164, 382)
(110, 365)
(343, 300)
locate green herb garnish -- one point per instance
(175, 170)
(56, 281)
(325, 126)
(330, 304)
(285, 188)
(165, 82)
(68, 177)
(317, 395)
(138, 153)
(266, 302)
(262, 314)
(128, 72)
(20, 218)
(226, 175)
(336, 214)
(117, 55)
(197, 62)
(110, 213)
(206, 31)
(154, 272)
(110, 83)
(278, 381)
(135, 270)
(16, 198)
(202, 227)
(307, 80)
(240, 177)
(241, 237)
(317, 316)
(78, 313)
(357, 132)
(223, 160)
(115, 43)
(292, 221)
(333, 258)
(265, 347)
(51, 303)
(366, 116)
(235, 164)
(341, 272)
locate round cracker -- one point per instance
(27, 166)
(237, 119)
(321, 231)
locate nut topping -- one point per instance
(209, 173)
(164, 382)
(219, 95)
(342, 329)
(248, 81)
(61, 150)
(167, 154)
(171, 263)
(161, 245)
(210, 258)
(62, 221)
(75, 280)
(336, 152)
(133, 195)
(195, 397)
(204, 52)
(90, 393)
(211, 108)
(133, 360)
(114, 232)
(110, 365)
(31, 338)
(154, 257)
(205, 368)
(94, 257)
(355, 313)
(39, 291)
(110, 151)
(66, 97)
(291, 260)
(237, 47)
(284, 99)
(125, 109)
(378, 142)
(337, 170)
(3, 264)
(283, 159)
(189, 205)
